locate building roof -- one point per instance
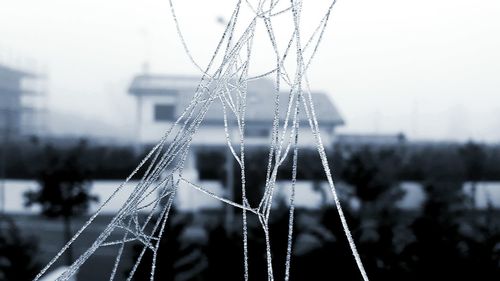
(260, 99)
(11, 72)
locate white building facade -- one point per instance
(162, 99)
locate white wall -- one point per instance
(151, 131)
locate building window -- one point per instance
(256, 132)
(164, 112)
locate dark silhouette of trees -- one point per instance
(64, 189)
(435, 250)
(18, 254)
(170, 251)
(442, 240)
(474, 159)
(373, 174)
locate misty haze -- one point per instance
(245, 140)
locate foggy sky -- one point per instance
(428, 68)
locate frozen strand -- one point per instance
(162, 166)
(248, 34)
(166, 162)
(154, 188)
(272, 38)
(183, 41)
(267, 210)
(141, 255)
(154, 229)
(169, 204)
(234, 18)
(274, 138)
(147, 243)
(139, 236)
(261, 13)
(165, 183)
(227, 98)
(281, 12)
(158, 167)
(118, 242)
(226, 131)
(292, 196)
(72, 269)
(89, 221)
(278, 157)
(92, 249)
(275, 127)
(157, 246)
(217, 197)
(165, 193)
(83, 257)
(322, 25)
(265, 226)
(323, 28)
(185, 46)
(189, 131)
(270, 182)
(313, 122)
(242, 111)
(227, 134)
(232, 24)
(120, 252)
(154, 202)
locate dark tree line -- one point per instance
(18, 253)
(447, 238)
(471, 161)
(102, 161)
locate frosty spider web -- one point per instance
(224, 80)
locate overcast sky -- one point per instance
(429, 68)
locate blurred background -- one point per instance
(407, 96)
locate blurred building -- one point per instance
(162, 99)
(20, 109)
